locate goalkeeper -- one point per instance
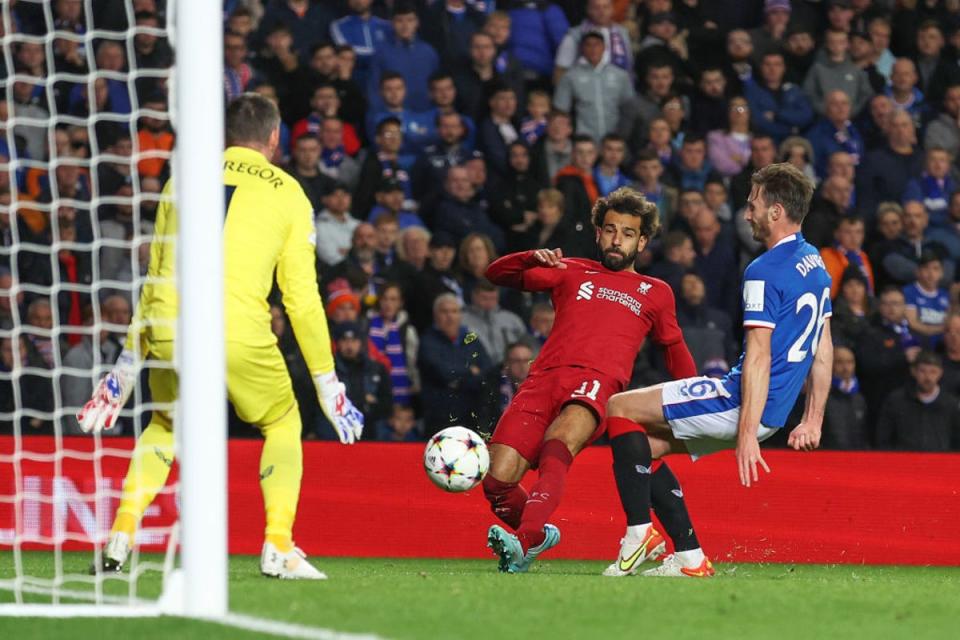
(268, 227)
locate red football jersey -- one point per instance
(602, 316)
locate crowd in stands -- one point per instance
(432, 136)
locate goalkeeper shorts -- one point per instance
(258, 383)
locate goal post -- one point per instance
(196, 585)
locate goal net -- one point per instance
(87, 119)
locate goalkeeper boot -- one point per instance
(114, 555)
(673, 566)
(551, 539)
(291, 565)
(507, 547)
(633, 553)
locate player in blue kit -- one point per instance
(786, 308)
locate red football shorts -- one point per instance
(539, 401)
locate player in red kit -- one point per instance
(604, 311)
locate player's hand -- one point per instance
(104, 406)
(346, 419)
(550, 258)
(804, 437)
(748, 457)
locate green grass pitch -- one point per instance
(468, 599)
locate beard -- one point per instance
(760, 232)
(616, 260)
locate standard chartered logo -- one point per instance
(586, 291)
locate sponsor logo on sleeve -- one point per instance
(753, 295)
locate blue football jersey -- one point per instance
(931, 307)
(786, 289)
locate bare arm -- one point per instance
(754, 385)
(806, 435)
(920, 327)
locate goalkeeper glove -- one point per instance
(104, 406)
(346, 419)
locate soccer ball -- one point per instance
(456, 459)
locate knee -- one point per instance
(618, 406)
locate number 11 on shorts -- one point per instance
(581, 391)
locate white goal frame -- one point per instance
(199, 587)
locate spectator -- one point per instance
(729, 148)
(383, 163)
(853, 308)
(575, 181)
(154, 138)
(921, 416)
(617, 49)
(597, 91)
(739, 66)
(432, 165)
(886, 171)
(554, 150)
(237, 72)
(648, 170)
(307, 21)
(763, 152)
(495, 327)
(841, 163)
(325, 104)
(847, 251)
(707, 331)
(864, 55)
(675, 113)
(944, 130)
(834, 71)
(367, 381)
(448, 26)
(691, 169)
(845, 414)
(770, 35)
(708, 109)
(936, 71)
(548, 229)
(452, 367)
(678, 257)
(499, 130)
(834, 132)
(948, 233)
(335, 226)
(900, 263)
(879, 30)
(515, 201)
(279, 64)
(715, 196)
(477, 80)
(638, 114)
(404, 53)
(458, 214)
(799, 53)
(390, 330)
(42, 351)
(413, 246)
(542, 317)
(543, 25)
(335, 162)
(390, 202)
(927, 302)
(401, 427)
(76, 390)
(798, 152)
(903, 91)
(435, 278)
(533, 125)
(418, 129)
(306, 160)
(358, 265)
(474, 256)
(833, 204)
(150, 52)
(715, 261)
(874, 123)
(498, 27)
(951, 354)
(516, 367)
(608, 173)
(443, 97)
(363, 32)
(326, 60)
(934, 186)
(885, 350)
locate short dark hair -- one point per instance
(403, 7)
(612, 137)
(592, 35)
(646, 155)
(390, 75)
(628, 201)
(251, 118)
(784, 184)
(673, 240)
(484, 285)
(391, 120)
(436, 76)
(692, 137)
(928, 357)
(582, 137)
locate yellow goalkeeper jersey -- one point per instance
(268, 228)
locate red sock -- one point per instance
(545, 496)
(617, 426)
(506, 500)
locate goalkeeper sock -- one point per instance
(555, 461)
(148, 471)
(631, 468)
(670, 508)
(281, 468)
(506, 500)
